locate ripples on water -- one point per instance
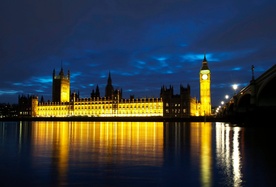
(135, 154)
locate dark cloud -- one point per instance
(144, 44)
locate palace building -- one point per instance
(169, 105)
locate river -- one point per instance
(55, 153)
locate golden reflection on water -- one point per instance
(206, 154)
(100, 142)
(201, 145)
(52, 138)
(60, 147)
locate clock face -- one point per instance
(204, 76)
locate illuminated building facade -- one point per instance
(111, 105)
(102, 107)
(205, 89)
(61, 87)
(169, 105)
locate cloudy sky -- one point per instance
(144, 44)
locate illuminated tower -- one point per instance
(61, 87)
(205, 88)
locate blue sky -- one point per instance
(144, 44)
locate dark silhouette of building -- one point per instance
(176, 105)
(8, 110)
(110, 92)
(95, 94)
(25, 105)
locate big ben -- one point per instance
(205, 88)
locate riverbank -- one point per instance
(142, 119)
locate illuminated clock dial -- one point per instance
(204, 76)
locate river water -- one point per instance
(136, 154)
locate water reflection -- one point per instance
(229, 141)
(175, 153)
(192, 142)
(206, 154)
(93, 144)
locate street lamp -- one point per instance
(226, 96)
(235, 87)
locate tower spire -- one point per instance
(204, 63)
(109, 90)
(204, 59)
(109, 81)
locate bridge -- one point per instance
(254, 103)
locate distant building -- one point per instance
(27, 105)
(169, 105)
(8, 110)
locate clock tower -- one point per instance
(205, 88)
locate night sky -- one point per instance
(144, 44)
